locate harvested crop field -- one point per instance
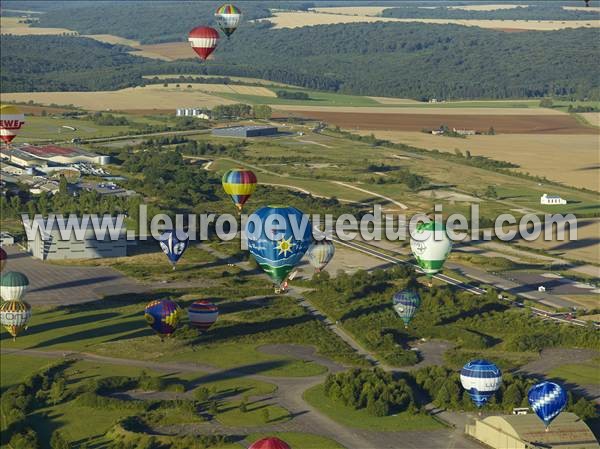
(149, 98)
(352, 11)
(169, 51)
(406, 121)
(593, 118)
(298, 19)
(539, 154)
(232, 88)
(423, 109)
(11, 25)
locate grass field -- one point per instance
(538, 154)
(44, 128)
(580, 374)
(360, 419)
(232, 416)
(298, 440)
(297, 19)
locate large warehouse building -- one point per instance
(33, 155)
(567, 431)
(51, 246)
(245, 131)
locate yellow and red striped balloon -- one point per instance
(11, 121)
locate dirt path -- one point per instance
(350, 186)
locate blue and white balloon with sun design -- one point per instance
(278, 237)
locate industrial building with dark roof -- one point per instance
(245, 131)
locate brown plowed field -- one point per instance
(521, 124)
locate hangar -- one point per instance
(567, 431)
(245, 131)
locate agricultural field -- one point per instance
(537, 154)
(11, 25)
(297, 19)
(150, 97)
(64, 129)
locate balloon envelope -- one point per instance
(547, 399)
(270, 443)
(11, 121)
(481, 379)
(431, 246)
(239, 184)
(172, 246)
(13, 285)
(320, 253)
(14, 316)
(203, 314)
(273, 242)
(204, 41)
(228, 18)
(3, 258)
(406, 304)
(162, 316)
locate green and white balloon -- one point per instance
(13, 285)
(431, 246)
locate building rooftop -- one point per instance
(52, 150)
(567, 431)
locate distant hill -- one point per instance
(408, 60)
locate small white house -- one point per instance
(541, 289)
(551, 199)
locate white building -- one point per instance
(551, 199)
(193, 112)
(50, 245)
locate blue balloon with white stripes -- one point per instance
(172, 246)
(547, 399)
(481, 379)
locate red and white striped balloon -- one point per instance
(11, 121)
(203, 314)
(204, 41)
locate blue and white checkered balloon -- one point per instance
(481, 379)
(547, 399)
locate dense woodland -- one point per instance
(403, 60)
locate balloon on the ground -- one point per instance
(203, 314)
(3, 258)
(239, 184)
(13, 285)
(270, 443)
(162, 316)
(204, 41)
(320, 253)
(14, 316)
(481, 379)
(431, 246)
(547, 400)
(406, 304)
(172, 246)
(272, 241)
(228, 18)
(11, 121)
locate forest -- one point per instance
(415, 61)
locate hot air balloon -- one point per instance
(11, 121)
(481, 379)
(172, 246)
(14, 316)
(163, 316)
(228, 18)
(13, 285)
(239, 184)
(272, 242)
(320, 253)
(547, 399)
(430, 246)
(406, 304)
(203, 314)
(270, 443)
(3, 258)
(204, 41)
